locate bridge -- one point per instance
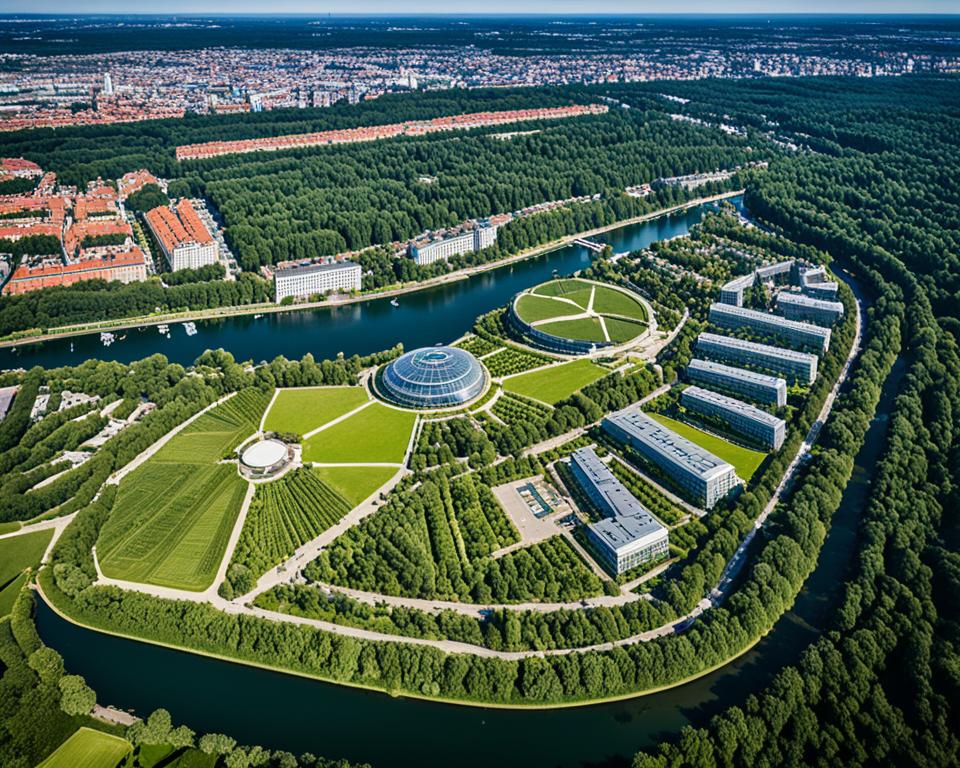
(592, 245)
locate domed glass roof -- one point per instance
(433, 377)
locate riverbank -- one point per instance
(120, 324)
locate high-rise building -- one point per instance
(792, 332)
(481, 236)
(738, 381)
(107, 85)
(184, 240)
(796, 306)
(308, 279)
(792, 365)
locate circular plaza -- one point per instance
(432, 377)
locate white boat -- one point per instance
(394, 302)
(190, 328)
(107, 339)
(257, 317)
(164, 329)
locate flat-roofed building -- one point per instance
(747, 420)
(816, 283)
(111, 263)
(630, 535)
(796, 306)
(481, 236)
(791, 364)
(739, 381)
(732, 292)
(792, 332)
(308, 279)
(780, 270)
(703, 476)
(184, 240)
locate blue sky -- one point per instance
(473, 7)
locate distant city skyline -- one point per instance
(462, 7)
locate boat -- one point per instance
(164, 329)
(394, 302)
(257, 317)
(190, 328)
(107, 339)
(71, 347)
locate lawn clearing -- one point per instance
(558, 382)
(573, 289)
(744, 460)
(621, 331)
(19, 552)
(610, 301)
(376, 434)
(8, 595)
(170, 524)
(532, 308)
(585, 328)
(302, 410)
(355, 483)
(90, 749)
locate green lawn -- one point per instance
(377, 434)
(744, 460)
(8, 595)
(610, 301)
(303, 410)
(573, 289)
(355, 483)
(586, 328)
(88, 748)
(10, 527)
(550, 385)
(170, 524)
(621, 331)
(19, 552)
(532, 308)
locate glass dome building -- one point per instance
(433, 377)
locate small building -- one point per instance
(814, 282)
(747, 420)
(794, 333)
(732, 292)
(704, 477)
(185, 241)
(796, 306)
(7, 395)
(738, 381)
(791, 364)
(309, 278)
(630, 535)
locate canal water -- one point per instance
(431, 316)
(285, 712)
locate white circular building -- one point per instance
(265, 457)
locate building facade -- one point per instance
(739, 381)
(184, 240)
(742, 418)
(704, 477)
(125, 266)
(796, 306)
(483, 235)
(630, 535)
(792, 365)
(792, 332)
(303, 280)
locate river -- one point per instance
(431, 316)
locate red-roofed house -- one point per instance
(183, 238)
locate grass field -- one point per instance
(622, 330)
(8, 595)
(376, 434)
(217, 432)
(19, 552)
(355, 483)
(744, 460)
(573, 289)
(610, 301)
(532, 308)
(14, 525)
(550, 385)
(586, 328)
(170, 524)
(90, 749)
(303, 410)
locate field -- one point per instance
(8, 595)
(170, 524)
(586, 328)
(532, 308)
(19, 552)
(744, 460)
(302, 410)
(551, 385)
(285, 514)
(355, 483)
(575, 290)
(621, 331)
(377, 434)
(512, 360)
(216, 433)
(610, 301)
(90, 749)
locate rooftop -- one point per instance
(740, 373)
(752, 346)
(730, 403)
